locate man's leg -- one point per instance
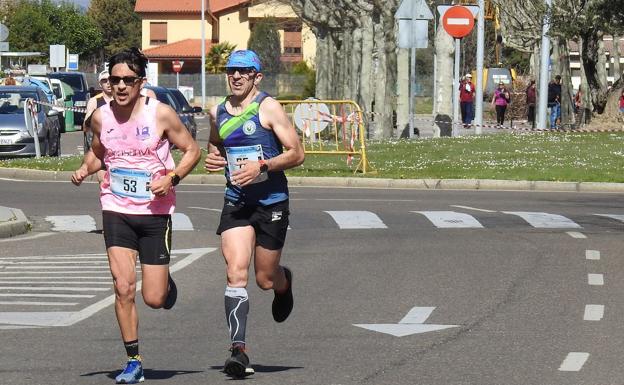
(155, 285)
(122, 266)
(122, 262)
(237, 247)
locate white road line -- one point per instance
(63, 278)
(59, 256)
(360, 200)
(592, 254)
(40, 295)
(545, 220)
(52, 288)
(25, 303)
(54, 262)
(595, 279)
(451, 219)
(593, 312)
(205, 208)
(13, 267)
(51, 272)
(181, 222)
(576, 234)
(574, 362)
(26, 237)
(357, 220)
(612, 216)
(474, 208)
(72, 223)
(53, 282)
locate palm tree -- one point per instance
(218, 57)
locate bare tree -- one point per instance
(356, 54)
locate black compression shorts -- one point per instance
(269, 222)
(150, 235)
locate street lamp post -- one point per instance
(203, 52)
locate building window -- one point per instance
(158, 33)
(292, 42)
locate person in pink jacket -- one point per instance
(500, 100)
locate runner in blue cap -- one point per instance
(254, 141)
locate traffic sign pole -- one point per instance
(456, 89)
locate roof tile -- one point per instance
(183, 6)
(188, 48)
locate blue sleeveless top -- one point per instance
(245, 130)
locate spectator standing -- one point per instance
(554, 102)
(622, 102)
(531, 95)
(466, 100)
(500, 100)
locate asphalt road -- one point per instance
(530, 290)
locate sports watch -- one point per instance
(264, 167)
(175, 178)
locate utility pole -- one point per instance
(542, 96)
(480, 52)
(203, 52)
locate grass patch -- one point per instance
(588, 157)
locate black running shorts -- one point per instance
(150, 235)
(269, 222)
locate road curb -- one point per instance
(13, 222)
(364, 182)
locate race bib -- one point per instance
(237, 154)
(131, 183)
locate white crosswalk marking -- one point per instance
(181, 222)
(72, 223)
(545, 220)
(451, 219)
(617, 217)
(34, 287)
(357, 220)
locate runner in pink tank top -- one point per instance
(131, 136)
(135, 155)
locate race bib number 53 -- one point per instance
(131, 183)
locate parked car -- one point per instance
(15, 140)
(78, 82)
(65, 96)
(186, 108)
(165, 95)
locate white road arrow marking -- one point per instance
(357, 220)
(72, 223)
(412, 323)
(181, 222)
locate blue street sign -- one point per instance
(72, 62)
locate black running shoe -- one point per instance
(283, 303)
(172, 295)
(236, 365)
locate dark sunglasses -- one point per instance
(243, 71)
(128, 80)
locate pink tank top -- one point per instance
(134, 155)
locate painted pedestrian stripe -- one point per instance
(72, 223)
(451, 219)
(357, 220)
(574, 362)
(23, 292)
(545, 220)
(593, 312)
(86, 223)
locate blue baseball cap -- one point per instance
(244, 58)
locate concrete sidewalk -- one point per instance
(13, 221)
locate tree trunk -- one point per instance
(591, 62)
(615, 54)
(443, 105)
(567, 91)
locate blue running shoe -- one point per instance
(132, 373)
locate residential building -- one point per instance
(575, 59)
(171, 30)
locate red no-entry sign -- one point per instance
(458, 21)
(177, 65)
